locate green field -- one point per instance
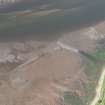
(92, 69)
(101, 100)
(73, 98)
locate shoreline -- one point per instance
(98, 88)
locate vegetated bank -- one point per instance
(93, 68)
(101, 100)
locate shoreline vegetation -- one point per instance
(95, 71)
(98, 99)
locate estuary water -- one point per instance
(85, 13)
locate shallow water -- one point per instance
(87, 13)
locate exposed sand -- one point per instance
(49, 72)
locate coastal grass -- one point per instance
(93, 69)
(101, 100)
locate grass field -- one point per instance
(93, 69)
(101, 100)
(33, 23)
